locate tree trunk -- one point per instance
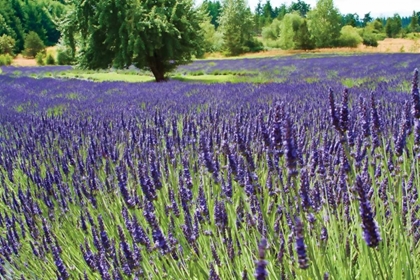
(157, 68)
(159, 75)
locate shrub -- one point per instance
(369, 39)
(253, 45)
(33, 44)
(50, 60)
(349, 37)
(7, 44)
(5, 59)
(64, 56)
(271, 32)
(40, 58)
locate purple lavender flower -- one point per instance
(290, 148)
(370, 228)
(300, 244)
(213, 274)
(59, 264)
(344, 112)
(415, 98)
(335, 119)
(261, 272)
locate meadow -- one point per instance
(299, 167)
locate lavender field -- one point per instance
(314, 174)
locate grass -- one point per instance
(209, 79)
(110, 77)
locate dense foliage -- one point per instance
(33, 44)
(19, 17)
(225, 181)
(120, 33)
(244, 30)
(236, 27)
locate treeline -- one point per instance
(20, 17)
(227, 26)
(297, 26)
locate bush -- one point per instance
(33, 44)
(40, 58)
(64, 56)
(253, 45)
(271, 32)
(5, 59)
(349, 37)
(50, 60)
(7, 44)
(370, 39)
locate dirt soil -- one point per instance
(21, 61)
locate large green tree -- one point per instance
(414, 22)
(303, 40)
(33, 44)
(11, 23)
(324, 24)
(236, 25)
(289, 27)
(157, 35)
(393, 26)
(300, 6)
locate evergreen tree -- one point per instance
(324, 24)
(268, 12)
(213, 8)
(366, 19)
(148, 34)
(281, 11)
(393, 26)
(414, 23)
(11, 24)
(300, 6)
(303, 40)
(236, 25)
(350, 19)
(33, 44)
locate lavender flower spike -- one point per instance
(370, 228)
(300, 244)
(261, 272)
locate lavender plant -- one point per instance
(192, 181)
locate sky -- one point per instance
(378, 8)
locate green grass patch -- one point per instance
(331, 74)
(110, 77)
(350, 82)
(56, 111)
(209, 79)
(311, 80)
(25, 107)
(404, 86)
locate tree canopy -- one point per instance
(324, 24)
(149, 34)
(236, 25)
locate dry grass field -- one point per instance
(389, 45)
(23, 61)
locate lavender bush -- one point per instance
(291, 180)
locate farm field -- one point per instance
(299, 167)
